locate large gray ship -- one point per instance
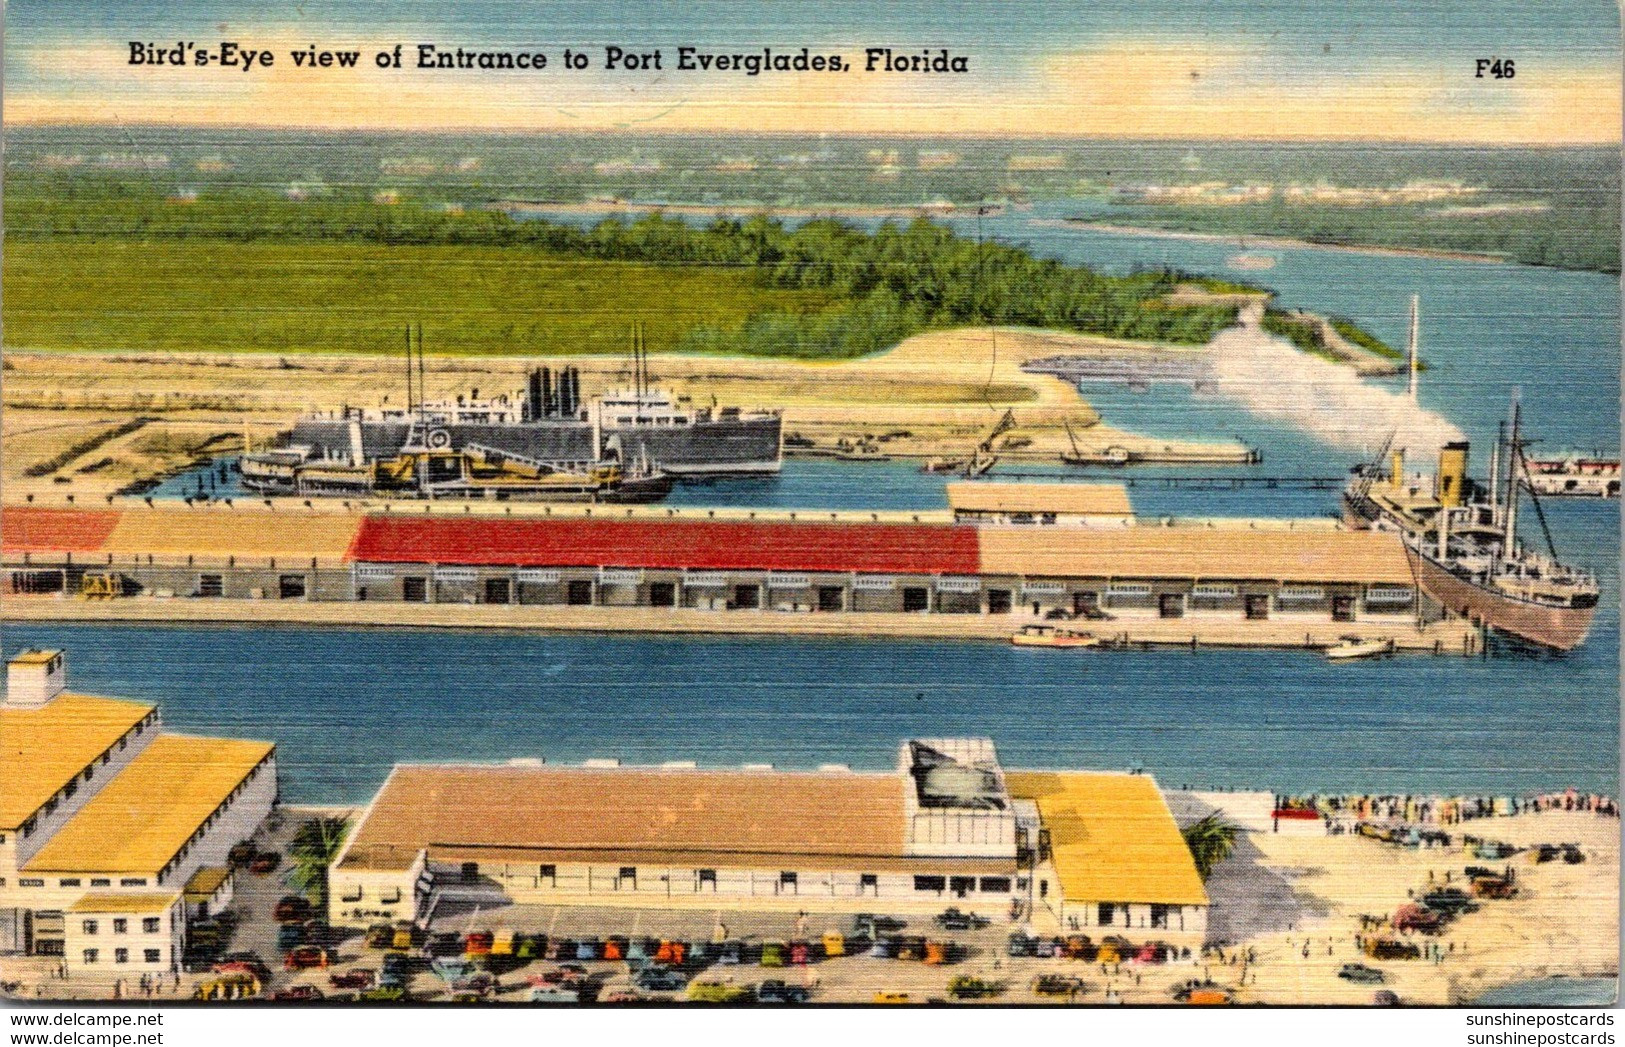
(548, 423)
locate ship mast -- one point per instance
(1509, 541)
(1416, 303)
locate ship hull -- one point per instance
(1557, 628)
(723, 447)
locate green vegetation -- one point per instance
(316, 843)
(1211, 841)
(1303, 333)
(80, 448)
(1363, 338)
(249, 271)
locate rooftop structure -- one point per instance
(143, 818)
(1113, 843)
(148, 902)
(44, 749)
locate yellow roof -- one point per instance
(1229, 553)
(215, 533)
(205, 882)
(110, 902)
(42, 749)
(142, 817)
(1112, 837)
(34, 657)
(1075, 499)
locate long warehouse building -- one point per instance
(1244, 570)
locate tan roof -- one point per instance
(146, 814)
(205, 882)
(34, 657)
(42, 749)
(1229, 553)
(587, 811)
(110, 901)
(1112, 838)
(169, 532)
(1074, 499)
(798, 861)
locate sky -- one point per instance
(1183, 69)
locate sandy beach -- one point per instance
(1251, 240)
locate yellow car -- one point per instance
(888, 996)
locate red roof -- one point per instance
(30, 530)
(675, 544)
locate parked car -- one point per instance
(303, 957)
(451, 968)
(970, 987)
(1412, 917)
(1389, 949)
(1360, 974)
(1021, 945)
(288, 936)
(587, 949)
(717, 992)
(870, 925)
(884, 996)
(291, 908)
(1449, 901)
(775, 990)
(1385, 998)
(477, 943)
(1494, 887)
(731, 953)
(555, 994)
(360, 978)
(397, 966)
(444, 944)
(265, 863)
(1059, 985)
(379, 936)
(912, 948)
(384, 994)
(298, 993)
(241, 853)
(773, 954)
(954, 920)
(657, 978)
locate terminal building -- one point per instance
(947, 827)
(107, 821)
(997, 553)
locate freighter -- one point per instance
(1574, 476)
(1462, 541)
(548, 424)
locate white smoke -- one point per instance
(1274, 379)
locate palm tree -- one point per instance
(314, 846)
(1211, 841)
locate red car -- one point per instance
(291, 909)
(306, 956)
(298, 992)
(360, 978)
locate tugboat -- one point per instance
(1050, 636)
(1463, 546)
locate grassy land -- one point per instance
(281, 297)
(1302, 333)
(1363, 338)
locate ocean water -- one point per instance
(1552, 992)
(345, 705)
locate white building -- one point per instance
(104, 819)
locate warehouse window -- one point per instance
(708, 878)
(133, 881)
(50, 806)
(150, 924)
(68, 883)
(549, 874)
(121, 956)
(1159, 916)
(996, 884)
(28, 882)
(351, 894)
(121, 926)
(291, 587)
(930, 883)
(390, 896)
(153, 955)
(100, 881)
(1105, 914)
(962, 885)
(89, 926)
(211, 585)
(868, 882)
(787, 882)
(415, 590)
(627, 877)
(90, 955)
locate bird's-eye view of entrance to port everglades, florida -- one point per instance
(1131, 521)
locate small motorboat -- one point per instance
(1349, 648)
(1050, 636)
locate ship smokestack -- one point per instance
(1396, 466)
(1452, 475)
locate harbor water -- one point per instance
(345, 705)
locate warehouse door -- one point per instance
(916, 599)
(291, 587)
(1086, 604)
(497, 590)
(1257, 607)
(1342, 608)
(578, 593)
(415, 590)
(831, 598)
(961, 885)
(998, 601)
(1171, 605)
(748, 596)
(662, 594)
